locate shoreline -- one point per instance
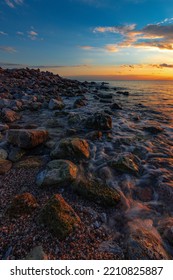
(84, 142)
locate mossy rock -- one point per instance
(59, 217)
(22, 204)
(126, 163)
(97, 192)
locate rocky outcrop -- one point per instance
(59, 217)
(57, 173)
(26, 138)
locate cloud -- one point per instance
(13, 3)
(165, 65)
(7, 49)
(32, 35)
(111, 48)
(17, 65)
(19, 33)
(159, 35)
(87, 48)
(3, 33)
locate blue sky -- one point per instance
(83, 36)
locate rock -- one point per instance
(71, 148)
(125, 162)
(74, 118)
(16, 154)
(79, 103)
(59, 217)
(166, 229)
(5, 166)
(9, 115)
(153, 129)
(97, 192)
(112, 248)
(145, 194)
(37, 253)
(99, 121)
(3, 127)
(30, 162)
(3, 154)
(57, 173)
(22, 204)
(115, 106)
(94, 135)
(126, 93)
(105, 95)
(26, 138)
(56, 104)
(144, 244)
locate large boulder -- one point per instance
(97, 192)
(57, 173)
(55, 104)
(22, 204)
(9, 115)
(5, 166)
(26, 138)
(99, 121)
(71, 148)
(59, 217)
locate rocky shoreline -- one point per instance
(64, 173)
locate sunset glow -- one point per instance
(97, 38)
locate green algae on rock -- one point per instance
(70, 148)
(57, 173)
(59, 217)
(97, 192)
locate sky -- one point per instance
(104, 39)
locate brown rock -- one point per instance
(22, 204)
(5, 166)
(26, 138)
(9, 115)
(59, 217)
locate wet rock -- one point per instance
(27, 138)
(22, 204)
(97, 192)
(30, 162)
(105, 95)
(9, 115)
(55, 104)
(59, 217)
(57, 173)
(5, 166)
(125, 162)
(126, 93)
(115, 106)
(37, 253)
(3, 154)
(71, 148)
(94, 135)
(144, 244)
(79, 103)
(3, 127)
(145, 194)
(99, 121)
(16, 154)
(153, 129)
(111, 247)
(74, 118)
(165, 228)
